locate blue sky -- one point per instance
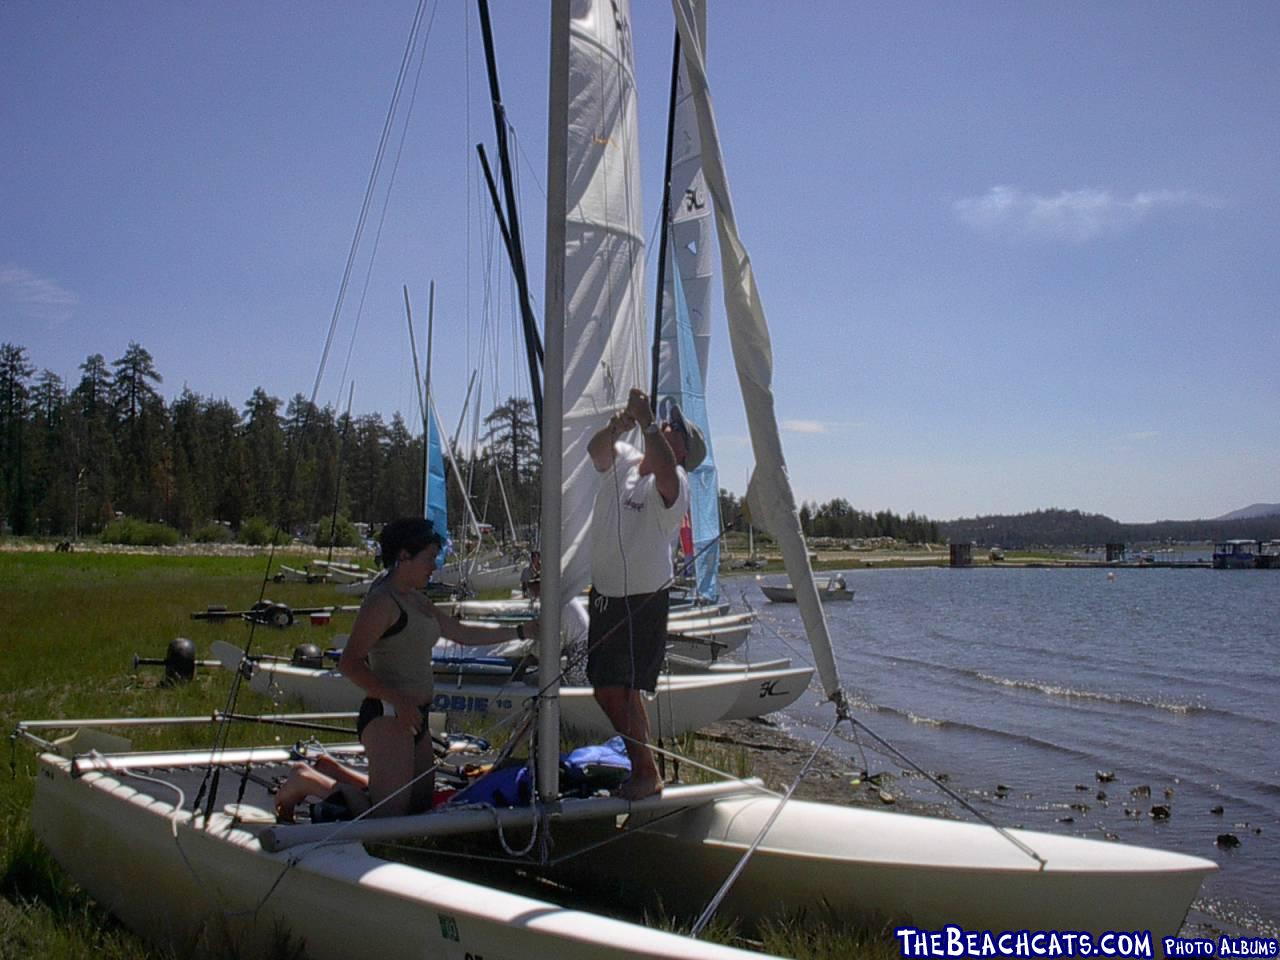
(1015, 255)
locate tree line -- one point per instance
(74, 458)
(1063, 528)
(839, 520)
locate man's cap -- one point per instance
(695, 444)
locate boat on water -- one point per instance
(830, 589)
(150, 836)
(1235, 555)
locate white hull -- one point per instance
(937, 872)
(355, 588)
(219, 887)
(289, 574)
(725, 624)
(681, 703)
(350, 574)
(116, 837)
(487, 609)
(829, 591)
(480, 577)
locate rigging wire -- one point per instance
(386, 198)
(741, 865)
(379, 153)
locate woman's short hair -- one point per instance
(413, 534)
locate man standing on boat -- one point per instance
(642, 499)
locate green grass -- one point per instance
(70, 625)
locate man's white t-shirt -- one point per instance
(632, 530)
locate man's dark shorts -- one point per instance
(627, 640)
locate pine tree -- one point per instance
(15, 490)
(141, 483)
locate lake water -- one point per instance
(1021, 685)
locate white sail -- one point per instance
(603, 316)
(685, 339)
(772, 503)
(690, 238)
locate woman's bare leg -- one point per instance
(390, 749)
(303, 782)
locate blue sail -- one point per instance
(704, 489)
(435, 506)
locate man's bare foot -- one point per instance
(641, 786)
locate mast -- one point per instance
(426, 420)
(655, 360)
(337, 487)
(552, 416)
(533, 347)
(431, 452)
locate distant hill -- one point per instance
(1252, 512)
(1067, 528)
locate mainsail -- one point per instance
(690, 216)
(685, 337)
(769, 495)
(604, 339)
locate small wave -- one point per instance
(962, 726)
(1057, 690)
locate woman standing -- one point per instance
(389, 657)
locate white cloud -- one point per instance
(33, 297)
(804, 426)
(1073, 215)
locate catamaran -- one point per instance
(221, 871)
(485, 689)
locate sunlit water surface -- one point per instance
(1022, 685)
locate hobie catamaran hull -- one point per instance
(928, 871)
(682, 703)
(179, 885)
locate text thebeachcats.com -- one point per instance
(953, 941)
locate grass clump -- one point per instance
(211, 533)
(139, 533)
(259, 533)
